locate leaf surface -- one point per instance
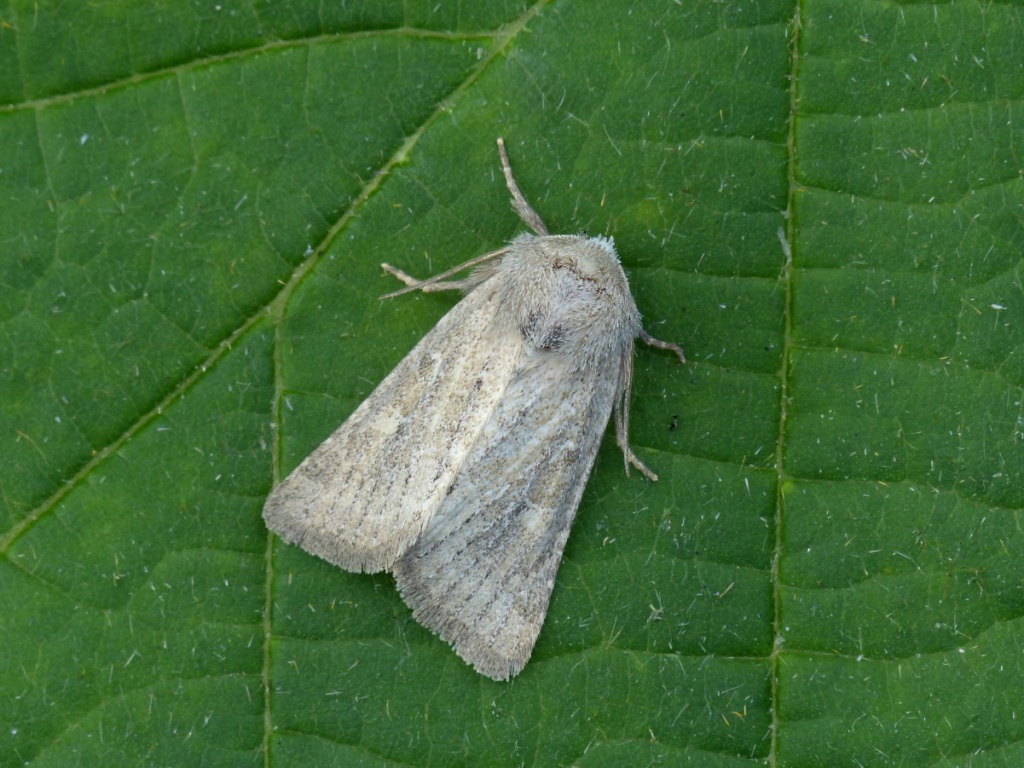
(821, 202)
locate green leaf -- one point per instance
(194, 203)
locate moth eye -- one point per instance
(553, 340)
(528, 330)
(547, 339)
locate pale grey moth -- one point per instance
(461, 473)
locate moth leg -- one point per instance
(622, 403)
(650, 341)
(412, 284)
(438, 282)
(529, 216)
(622, 419)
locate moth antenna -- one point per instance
(523, 208)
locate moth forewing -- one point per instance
(463, 470)
(482, 573)
(363, 496)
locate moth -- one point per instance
(462, 472)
